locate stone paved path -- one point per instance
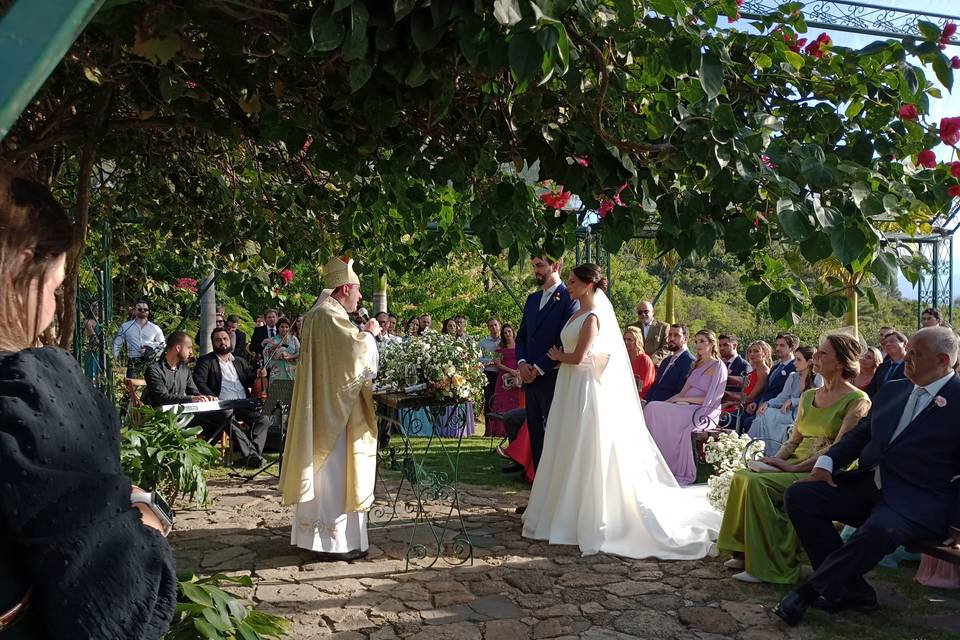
(515, 589)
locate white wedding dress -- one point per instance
(602, 483)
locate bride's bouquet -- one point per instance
(448, 366)
(728, 453)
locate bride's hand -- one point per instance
(555, 354)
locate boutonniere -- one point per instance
(940, 401)
(556, 297)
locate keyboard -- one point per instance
(214, 405)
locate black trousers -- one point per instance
(215, 422)
(488, 389)
(539, 396)
(839, 568)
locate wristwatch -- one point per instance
(157, 505)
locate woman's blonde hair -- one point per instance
(714, 348)
(637, 336)
(765, 349)
(34, 232)
(873, 351)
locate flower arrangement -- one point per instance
(726, 452)
(449, 366)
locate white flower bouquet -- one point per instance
(449, 366)
(727, 453)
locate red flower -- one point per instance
(733, 19)
(187, 284)
(927, 159)
(954, 191)
(739, 3)
(948, 30)
(950, 130)
(955, 62)
(817, 47)
(191, 84)
(582, 161)
(616, 196)
(556, 200)
(767, 162)
(955, 170)
(606, 206)
(908, 112)
(287, 275)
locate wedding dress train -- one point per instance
(602, 483)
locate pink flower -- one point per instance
(954, 191)
(950, 130)
(191, 84)
(734, 18)
(767, 162)
(940, 401)
(556, 200)
(955, 62)
(955, 170)
(817, 47)
(582, 161)
(908, 112)
(927, 159)
(606, 206)
(187, 284)
(616, 196)
(948, 30)
(739, 3)
(287, 275)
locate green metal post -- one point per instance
(34, 37)
(106, 312)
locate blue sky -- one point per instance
(948, 106)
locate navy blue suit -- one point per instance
(777, 378)
(918, 500)
(886, 372)
(669, 382)
(539, 330)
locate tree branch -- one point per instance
(72, 133)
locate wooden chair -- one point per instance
(134, 387)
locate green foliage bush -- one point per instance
(204, 610)
(160, 452)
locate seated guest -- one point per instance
(281, 354)
(755, 528)
(736, 365)
(226, 377)
(426, 322)
(781, 370)
(413, 327)
(169, 380)
(775, 418)
(760, 357)
(643, 370)
(506, 391)
(694, 408)
(904, 487)
(83, 554)
(673, 370)
(895, 346)
(450, 327)
(870, 359)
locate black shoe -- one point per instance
(520, 510)
(791, 608)
(254, 461)
(512, 468)
(347, 556)
(849, 602)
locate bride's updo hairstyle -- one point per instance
(591, 274)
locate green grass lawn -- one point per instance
(479, 464)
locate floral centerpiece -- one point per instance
(727, 453)
(450, 367)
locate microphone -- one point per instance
(363, 315)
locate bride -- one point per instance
(602, 483)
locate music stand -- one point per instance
(279, 398)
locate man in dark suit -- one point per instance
(736, 365)
(227, 377)
(674, 369)
(544, 316)
(784, 346)
(892, 368)
(904, 487)
(237, 337)
(264, 333)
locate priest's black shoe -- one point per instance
(347, 556)
(791, 608)
(520, 510)
(512, 468)
(849, 602)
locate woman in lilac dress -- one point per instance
(695, 408)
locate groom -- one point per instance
(544, 315)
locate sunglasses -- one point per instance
(143, 309)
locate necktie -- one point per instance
(669, 363)
(915, 404)
(269, 332)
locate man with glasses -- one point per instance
(142, 338)
(654, 333)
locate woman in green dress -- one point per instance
(755, 527)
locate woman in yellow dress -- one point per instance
(755, 527)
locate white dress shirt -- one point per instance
(919, 399)
(231, 388)
(545, 296)
(137, 335)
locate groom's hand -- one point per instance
(525, 370)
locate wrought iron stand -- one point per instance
(413, 430)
